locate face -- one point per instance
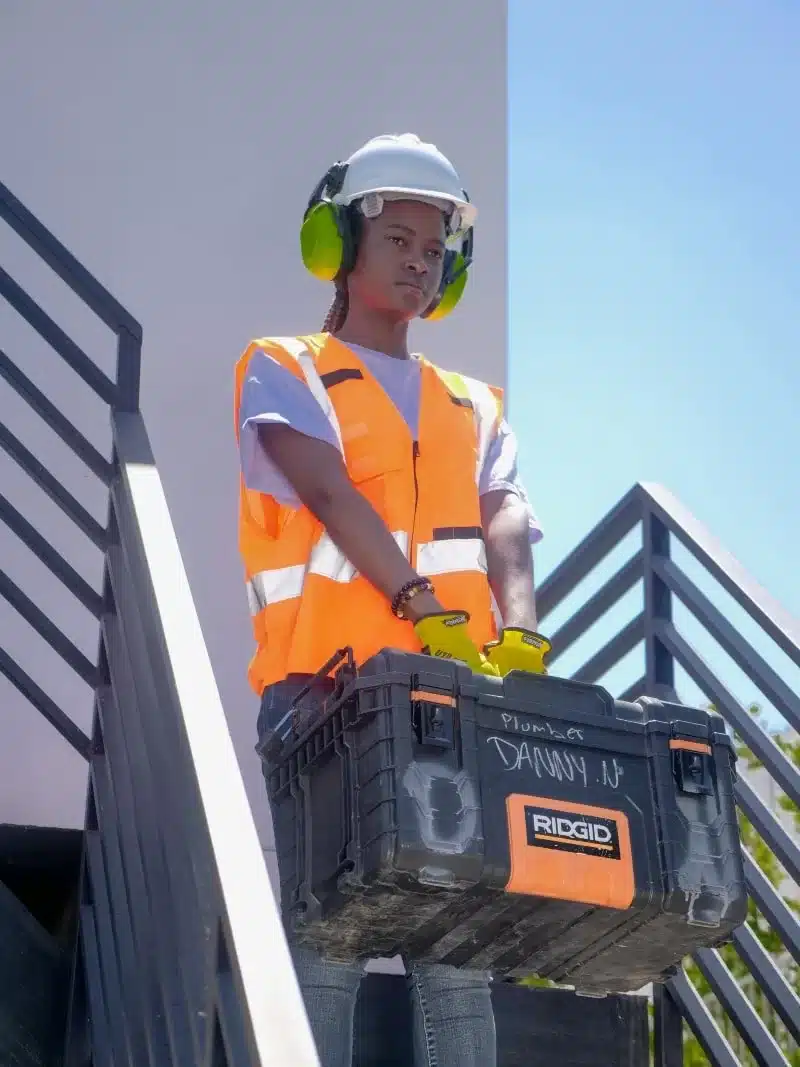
(400, 259)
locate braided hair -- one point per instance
(337, 312)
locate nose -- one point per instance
(416, 261)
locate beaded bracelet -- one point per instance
(407, 592)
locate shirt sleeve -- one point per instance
(272, 394)
(500, 471)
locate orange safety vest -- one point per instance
(306, 599)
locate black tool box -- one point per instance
(526, 825)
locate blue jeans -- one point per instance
(453, 1021)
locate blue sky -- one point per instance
(655, 268)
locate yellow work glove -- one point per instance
(445, 636)
(518, 650)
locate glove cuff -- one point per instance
(448, 618)
(528, 637)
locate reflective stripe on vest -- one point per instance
(295, 347)
(485, 407)
(486, 419)
(449, 555)
(285, 583)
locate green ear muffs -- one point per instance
(327, 240)
(321, 242)
(454, 280)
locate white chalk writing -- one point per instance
(560, 764)
(612, 774)
(529, 726)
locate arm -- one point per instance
(316, 472)
(505, 518)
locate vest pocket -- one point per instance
(374, 490)
(373, 476)
(364, 462)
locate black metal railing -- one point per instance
(726, 1017)
(181, 957)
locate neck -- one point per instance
(372, 330)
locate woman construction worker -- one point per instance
(381, 506)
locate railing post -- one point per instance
(659, 664)
(667, 1029)
(129, 355)
(660, 679)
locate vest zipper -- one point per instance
(414, 457)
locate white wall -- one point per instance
(172, 147)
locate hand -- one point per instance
(518, 650)
(444, 634)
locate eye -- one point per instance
(435, 252)
(400, 241)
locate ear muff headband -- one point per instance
(328, 245)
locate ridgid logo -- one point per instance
(566, 832)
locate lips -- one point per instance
(413, 285)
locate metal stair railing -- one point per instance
(658, 522)
(181, 957)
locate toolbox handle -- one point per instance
(271, 746)
(341, 654)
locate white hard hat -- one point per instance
(402, 167)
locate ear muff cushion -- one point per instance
(321, 244)
(452, 292)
